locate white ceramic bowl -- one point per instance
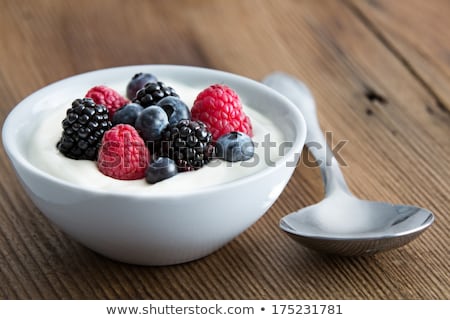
(158, 229)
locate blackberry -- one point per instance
(152, 92)
(84, 126)
(188, 143)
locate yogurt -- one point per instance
(43, 153)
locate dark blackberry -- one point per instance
(84, 126)
(188, 143)
(153, 92)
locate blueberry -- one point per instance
(234, 146)
(175, 108)
(161, 169)
(137, 82)
(127, 114)
(151, 122)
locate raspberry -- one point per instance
(220, 108)
(108, 97)
(123, 154)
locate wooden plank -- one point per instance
(417, 32)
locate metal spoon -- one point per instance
(342, 224)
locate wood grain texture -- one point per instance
(380, 73)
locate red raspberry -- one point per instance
(123, 154)
(220, 108)
(108, 97)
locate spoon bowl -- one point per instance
(374, 227)
(341, 223)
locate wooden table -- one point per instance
(380, 72)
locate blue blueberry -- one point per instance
(151, 123)
(235, 146)
(175, 108)
(138, 82)
(160, 169)
(127, 114)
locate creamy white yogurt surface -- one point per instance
(44, 154)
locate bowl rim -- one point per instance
(16, 155)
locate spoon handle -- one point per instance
(299, 94)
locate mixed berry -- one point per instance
(108, 97)
(152, 92)
(161, 169)
(235, 146)
(138, 81)
(123, 154)
(188, 143)
(127, 114)
(83, 129)
(220, 108)
(152, 133)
